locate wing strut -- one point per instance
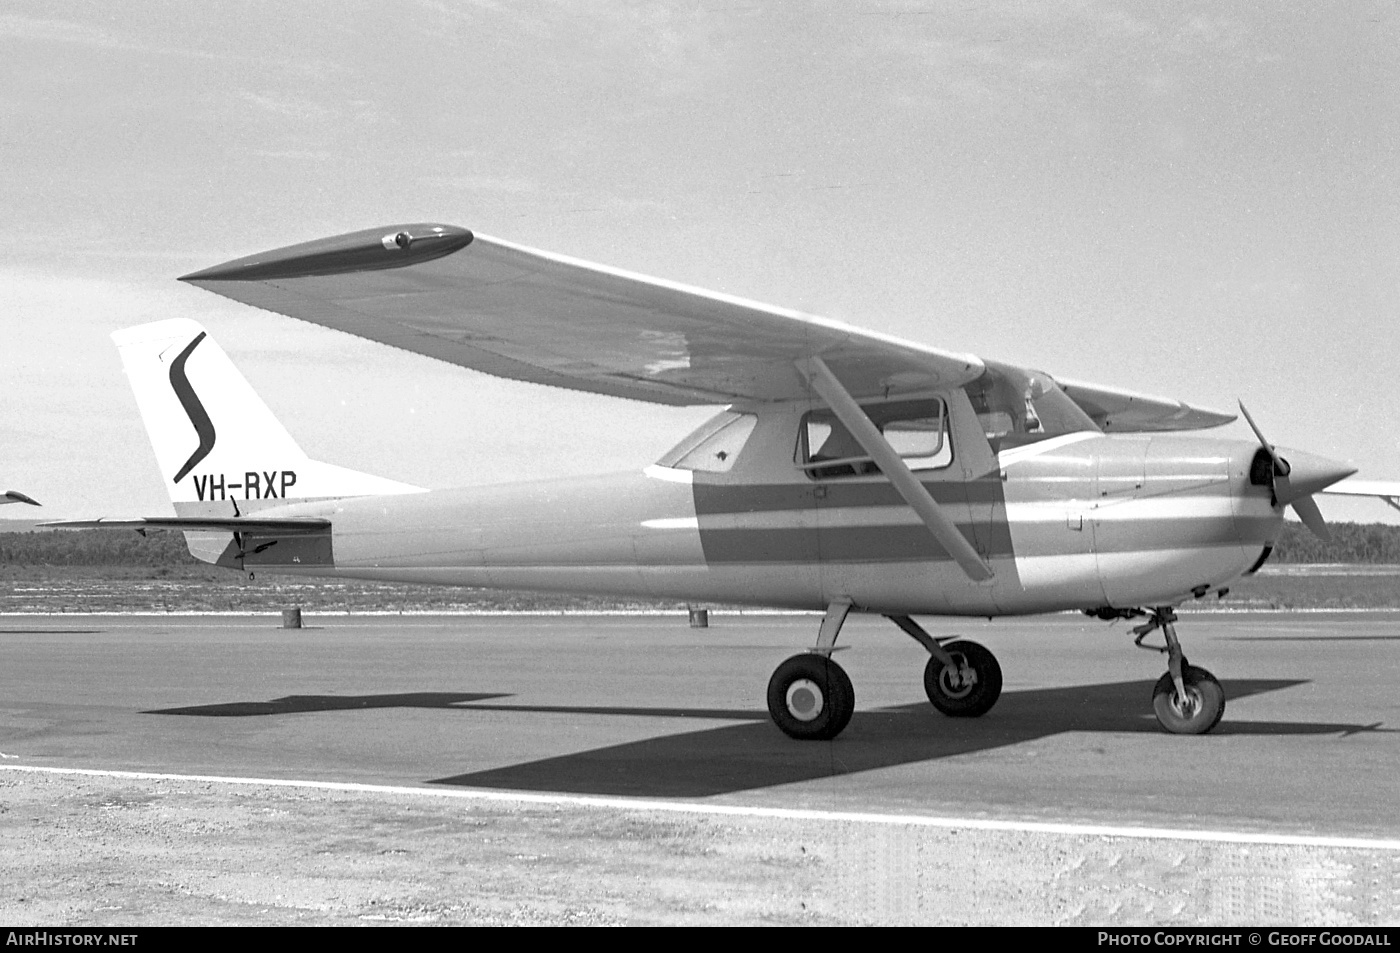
(895, 469)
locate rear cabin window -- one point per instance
(916, 429)
(714, 446)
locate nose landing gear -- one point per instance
(1187, 700)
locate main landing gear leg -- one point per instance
(962, 678)
(810, 697)
(1187, 700)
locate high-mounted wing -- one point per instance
(516, 312)
(1387, 490)
(1122, 411)
(525, 314)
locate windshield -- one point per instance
(1018, 406)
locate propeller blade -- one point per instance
(1296, 482)
(1281, 467)
(1306, 508)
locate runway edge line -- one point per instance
(731, 810)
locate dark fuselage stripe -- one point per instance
(796, 496)
(710, 499)
(906, 543)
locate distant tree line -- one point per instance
(1351, 543)
(95, 547)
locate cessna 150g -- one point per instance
(851, 471)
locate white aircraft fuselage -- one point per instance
(1078, 521)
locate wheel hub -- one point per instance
(1186, 703)
(804, 699)
(958, 679)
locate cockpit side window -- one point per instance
(714, 446)
(916, 429)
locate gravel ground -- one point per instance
(112, 852)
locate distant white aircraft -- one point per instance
(852, 471)
(14, 496)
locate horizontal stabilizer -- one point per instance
(15, 496)
(291, 526)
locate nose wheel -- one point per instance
(1187, 700)
(1194, 710)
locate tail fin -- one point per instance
(219, 448)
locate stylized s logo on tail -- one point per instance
(193, 408)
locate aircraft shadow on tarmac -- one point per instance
(296, 704)
(744, 757)
(733, 758)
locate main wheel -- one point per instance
(811, 697)
(968, 690)
(1195, 714)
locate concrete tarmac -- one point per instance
(647, 707)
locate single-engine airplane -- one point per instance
(851, 471)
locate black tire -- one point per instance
(811, 698)
(1203, 708)
(972, 698)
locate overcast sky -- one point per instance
(1196, 200)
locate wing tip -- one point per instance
(372, 249)
(1209, 418)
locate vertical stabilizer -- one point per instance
(218, 446)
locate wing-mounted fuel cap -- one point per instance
(407, 239)
(374, 249)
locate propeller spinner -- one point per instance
(1298, 477)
